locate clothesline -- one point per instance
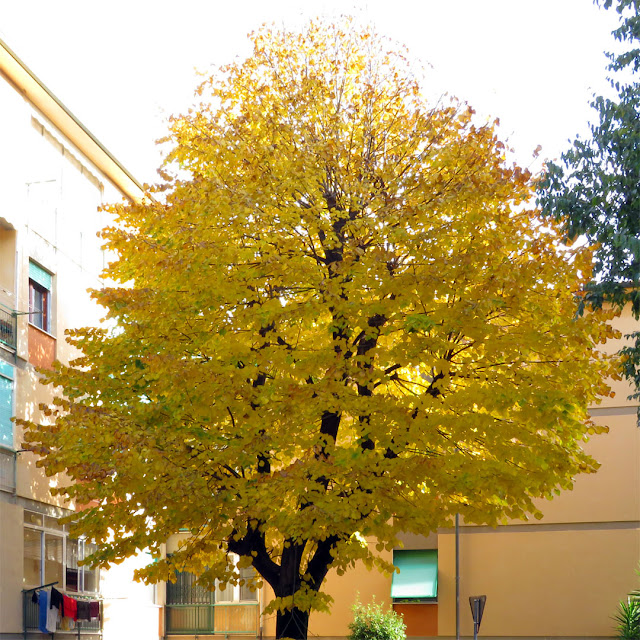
(54, 606)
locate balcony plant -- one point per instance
(627, 617)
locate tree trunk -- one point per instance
(292, 623)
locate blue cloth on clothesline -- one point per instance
(43, 604)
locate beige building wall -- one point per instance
(613, 493)
(545, 581)
(10, 568)
(358, 584)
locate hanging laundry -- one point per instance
(83, 610)
(94, 610)
(67, 624)
(57, 600)
(52, 617)
(70, 607)
(44, 596)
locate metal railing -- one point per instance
(31, 613)
(7, 470)
(8, 327)
(208, 619)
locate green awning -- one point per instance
(418, 577)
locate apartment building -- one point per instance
(54, 175)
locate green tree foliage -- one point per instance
(340, 321)
(596, 187)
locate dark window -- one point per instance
(80, 578)
(39, 305)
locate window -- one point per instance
(6, 405)
(80, 578)
(51, 556)
(44, 542)
(245, 592)
(39, 297)
(418, 577)
(185, 590)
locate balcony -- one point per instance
(209, 619)
(31, 612)
(192, 609)
(8, 327)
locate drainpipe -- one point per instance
(457, 577)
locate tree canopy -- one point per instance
(338, 319)
(595, 188)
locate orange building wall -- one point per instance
(421, 618)
(42, 348)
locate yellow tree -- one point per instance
(339, 320)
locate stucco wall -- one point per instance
(539, 581)
(11, 566)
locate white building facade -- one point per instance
(54, 175)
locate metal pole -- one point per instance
(457, 577)
(476, 615)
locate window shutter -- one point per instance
(39, 275)
(6, 405)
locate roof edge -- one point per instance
(45, 101)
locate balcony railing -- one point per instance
(7, 470)
(208, 619)
(8, 327)
(31, 613)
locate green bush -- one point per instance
(628, 619)
(370, 622)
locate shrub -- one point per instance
(628, 619)
(370, 622)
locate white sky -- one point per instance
(123, 66)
